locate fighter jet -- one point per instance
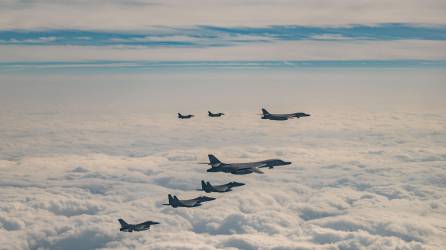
(208, 188)
(136, 227)
(175, 202)
(210, 114)
(180, 116)
(243, 168)
(281, 117)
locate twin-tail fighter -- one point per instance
(210, 114)
(208, 188)
(180, 116)
(125, 227)
(281, 117)
(243, 168)
(175, 202)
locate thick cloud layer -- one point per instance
(358, 181)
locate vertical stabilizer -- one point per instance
(204, 186)
(171, 199)
(213, 161)
(123, 223)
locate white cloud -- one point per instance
(347, 187)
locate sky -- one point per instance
(40, 30)
(89, 96)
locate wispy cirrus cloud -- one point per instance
(207, 36)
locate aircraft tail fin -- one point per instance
(210, 113)
(123, 223)
(171, 199)
(204, 186)
(213, 161)
(265, 112)
(179, 115)
(209, 186)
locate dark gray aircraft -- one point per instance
(243, 168)
(210, 114)
(136, 227)
(281, 117)
(175, 202)
(180, 116)
(208, 188)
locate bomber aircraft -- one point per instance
(180, 116)
(175, 202)
(210, 114)
(281, 117)
(208, 188)
(242, 168)
(125, 227)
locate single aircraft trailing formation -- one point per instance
(125, 227)
(195, 202)
(208, 188)
(243, 168)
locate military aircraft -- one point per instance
(208, 188)
(210, 114)
(281, 117)
(175, 202)
(136, 227)
(242, 168)
(180, 116)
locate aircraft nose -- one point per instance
(287, 163)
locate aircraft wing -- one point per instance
(260, 165)
(189, 203)
(280, 117)
(254, 169)
(220, 188)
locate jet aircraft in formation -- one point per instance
(281, 117)
(125, 227)
(210, 114)
(175, 202)
(218, 166)
(265, 115)
(208, 188)
(243, 168)
(180, 116)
